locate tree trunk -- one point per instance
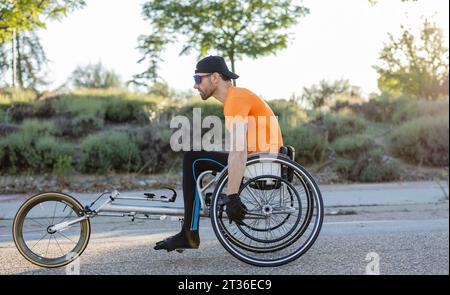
(14, 61)
(231, 56)
(19, 69)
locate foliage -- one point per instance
(418, 68)
(31, 151)
(23, 15)
(338, 125)
(288, 112)
(232, 28)
(309, 145)
(109, 151)
(325, 92)
(415, 109)
(121, 110)
(30, 60)
(423, 140)
(94, 76)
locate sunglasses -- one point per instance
(198, 78)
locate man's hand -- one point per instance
(235, 209)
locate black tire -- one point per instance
(284, 251)
(24, 220)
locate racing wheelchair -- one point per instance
(284, 214)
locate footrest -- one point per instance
(162, 198)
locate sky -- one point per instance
(337, 40)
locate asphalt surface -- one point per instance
(409, 235)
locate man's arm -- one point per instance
(237, 157)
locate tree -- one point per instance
(94, 76)
(25, 15)
(232, 28)
(415, 67)
(30, 60)
(322, 94)
(19, 19)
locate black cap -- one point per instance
(211, 64)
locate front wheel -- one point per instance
(34, 235)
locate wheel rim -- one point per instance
(35, 241)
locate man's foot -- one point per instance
(185, 239)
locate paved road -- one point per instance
(410, 237)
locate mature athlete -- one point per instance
(213, 78)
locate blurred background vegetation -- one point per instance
(95, 125)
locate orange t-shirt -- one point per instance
(263, 130)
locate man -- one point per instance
(241, 107)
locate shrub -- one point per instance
(382, 108)
(37, 128)
(24, 150)
(80, 106)
(379, 172)
(121, 110)
(352, 146)
(344, 166)
(51, 152)
(289, 113)
(85, 124)
(44, 109)
(63, 165)
(309, 145)
(21, 110)
(423, 141)
(109, 151)
(154, 145)
(372, 166)
(207, 109)
(339, 125)
(6, 129)
(420, 108)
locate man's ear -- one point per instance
(216, 77)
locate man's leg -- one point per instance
(194, 163)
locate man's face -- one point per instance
(205, 87)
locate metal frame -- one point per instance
(113, 209)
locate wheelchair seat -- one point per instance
(282, 171)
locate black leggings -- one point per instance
(194, 163)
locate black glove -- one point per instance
(235, 209)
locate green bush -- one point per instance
(121, 110)
(37, 128)
(85, 124)
(344, 166)
(154, 145)
(372, 166)
(339, 125)
(3, 116)
(109, 151)
(27, 151)
(422, 141)
(352, 146)
(289, 113)
(309, 145)
(382, 108)
(420, 108)
(21, 110)
(380, 171)
(51, 153)
(207, 109)
(80, 106)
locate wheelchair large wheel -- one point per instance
(284, 215)
(33, 235)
